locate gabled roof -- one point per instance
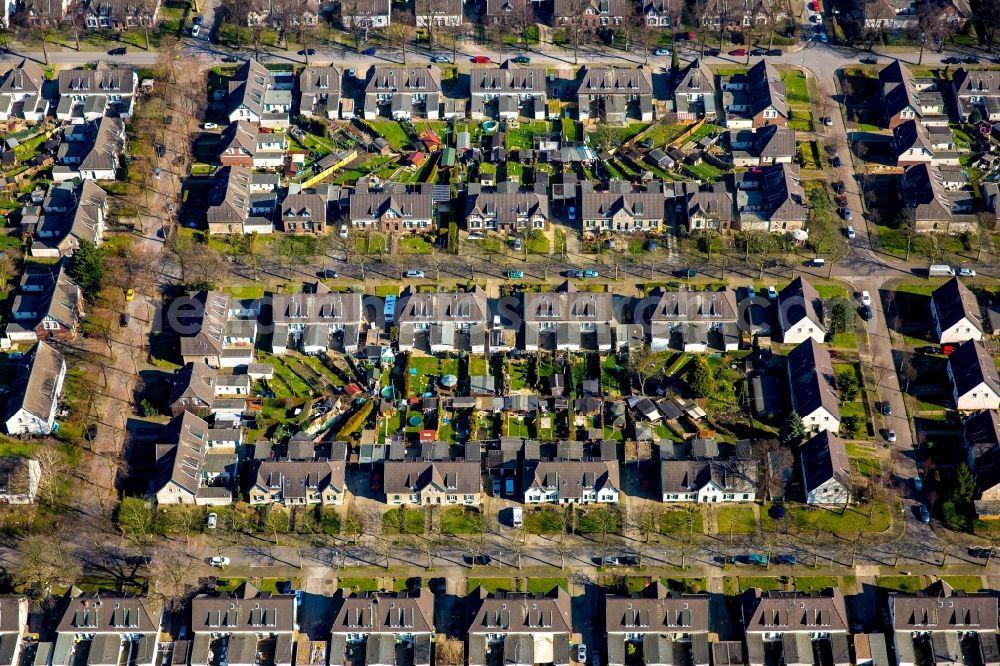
(638, 205)
(799, 300)
(108, 141)
(451, 477)
(439, 8)
(443, 306)
(690, 476)
(567, 304)
(898, 91)
(24, 77)
(774, 141)
(185, 445)
(656, 611)
(767, 612)
(696, 77)
(910, 134)
(507, 80)
(824, 458)
(981, 83)
(101, 80)
(711, 205)
(384, 612)
(374, 205)
(520, 613)
(104, 614)
(313, 80)
(810, 370)
(609, 8)
(953, 303)
(404, 80)
(211, 325)
(939, 608)
(248, 87)
(53, 295)
(247, 610)
(508, 207)
(194, 380)
(329, 308)
(766, 89)
(34, 388)
(615, 80)
(783, 192)
(304, 206)
(295, 478)
(696, 306)
(572, 477)
(971, 366)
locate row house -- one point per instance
(70, 214)
(392, 212)
(694, 322)
(379, 628)
(710, 210)
(657, 625)
(303, 214)
(242, 202)
(790, 622)
(906, 97)
(317, 322)
(951, 15)
(106, 630)
(915, 144)
(772, 199)
(571, 482)
(91, 151)
(625, 212)
(260, 96)
(319, 92)
(88, 94)
(506, 12)
(567, 319)
(366, 13)
(439, 14)
(402, 92)
(247, 626)
(506, 213)
(223, 331)
(947, 625)
(982, 442)
(592, 14)
(295, 14)
(523, 627)
(977, 92)
(34, 393)
(813, 386)
(956, 313)
(193, 465)
(707, 481)
(756, 99)
(291, 483)
(937, 202)
(660, 13)
(120, 15)
(694, 94)
(442, 322)
(21, 93)
(48, 305)
(508, 92)
(799, 307)
(771, 144)
(615, 94)
(245, 145)
(974, 378)
(433, 482)
(39, 13)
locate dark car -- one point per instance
(778, 511)
(758, 52)
(138, 560)
(629, 560)
(785, 559)
(972, 60)
(775, 52)
(686, 273)
(376, 482)
(307, 52)
(483, 559)
(161, 150)
(369, 51)
(121, 50)
(230, 58)
(869, 60)
(838, 187)
(865, 312)
(574, 273)
(437, 586)
(124, 319)
(951, 60)
(284, 587)
(886, 408)
(982, 552)
(198, 20)
(328, 273)
(415, 584)
(836, 160)
(724, 559)
(928, 349)
(713, 53)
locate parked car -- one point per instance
(219, 561)
(574, 273)
(509, 487)
(581, 653)
(591, 273)
(415, 584)
(828, 121)
(846, 212)
(437, 586)
(496, 487)
(440, 58)
(328, 273)
(376, 482)
(413, 273)
(838, 187)
(198, 20)
(738, 52)
(836, 160)
(866, 298)
(785, 559)
(661, 52)
(925, 514)
(972, 60)
(778, 511)
(521, 59)
(129, 294)
(595, 659)
(629, 560)
(850, 232)
(869, 60)
(121, 50)
(751, 292)
(928, 349)
(886, 408)
(230, 58)
(712, 53)
(967, 272)
(124, 319)
(213, 520)
(369, 51)
(951, 60)
(757, 559)
(210, 126)
(891, 435)
(984, 553)
(772, 293)
(481, 60)
(823, 38)
(518, 245)
(161, 150)
(138, 560)
(515, 275)
(866, 313)
(775, 52)
(687, 273)
(609, 561)
(758, 52)
(918, 484)
(307, 52)
(483, 559)
(195, 29)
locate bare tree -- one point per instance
(521, 20)
(172, 575)
(987, 21)
(44, 560)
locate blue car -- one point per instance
(369, 51)
(785, 559)
(590, 273)
(750, 292)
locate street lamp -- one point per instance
(923, 40)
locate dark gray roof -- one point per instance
(799, 300)
(813, 383)
(389, 613)
(940, 609)
(616, 81)
(102, 614)
(655, 611)
(824, 457)
(768, 612)
(247, 610)
(953, 302)
(971, 366)
(571, 478)
(34, 388)
(519, 613)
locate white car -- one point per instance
(195, 29)
(210, 126)
(413, 273)
(967, 272)
(850, 232)
(213, 520)
(219, 561)
(772, 292)
(581, 653)
(891, 435)
(866, 298)
(441, 58)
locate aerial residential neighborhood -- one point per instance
(500, 333)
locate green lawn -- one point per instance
(704, 171)
(546, 520)
(414, 245)
(801, 121)
(814, 583)
(677, 521)
(599, 520)
(810, 155)
(908, 584)
(359, 584)
(491, 585)
(736, 519)
(392, 132)
(545, 585)
(765, 583)
(686, 585)
(539, 244)
(845, 340)
(478, 365)
(965, 583)
(456, 520)
(833, 520)
(795, 86)
(412, 521)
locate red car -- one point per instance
(738, 52)
(376, 480)
(814, 5)
(481, 60)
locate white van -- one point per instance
(940, 270)
(517, 518)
